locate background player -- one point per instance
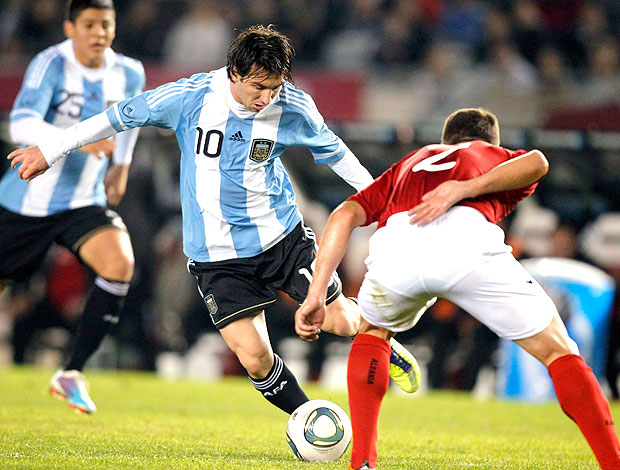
(457, 253)
(242, 230)
(65, 84)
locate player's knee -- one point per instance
(346, 324)
(343, 318)
(118, 267)
(256, 364)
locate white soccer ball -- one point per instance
(319, 431)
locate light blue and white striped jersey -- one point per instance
(237, 199)
(61, 91)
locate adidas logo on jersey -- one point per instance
(237, 137)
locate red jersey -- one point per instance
(402, 185)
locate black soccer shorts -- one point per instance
(239, 288)
(24, 240)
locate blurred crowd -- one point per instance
(546, 39)
(568, 51)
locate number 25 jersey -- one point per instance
(61, 91)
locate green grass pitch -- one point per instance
(144, 422)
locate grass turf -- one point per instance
(144, 422)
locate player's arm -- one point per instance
(127, 114)
(115, 182)
(326, 147)
(310, 316)
(352, 171)
(515, 173)
(37, 159)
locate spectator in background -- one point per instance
(507, 67)
(199, 40)
(406, 33)
(463, 21)
(603, 79)
(355, 44)
(561, 18)
(593, 25)
(307, 23)
(40, 26)
(143, 30)
(529, 34)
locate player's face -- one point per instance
(92, 32)
(256, 90)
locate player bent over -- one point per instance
(451, 248)
(65, 84)
(242, 229)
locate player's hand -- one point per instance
(32, 162)
(436, 202)
(101, 149)
(115, 183)
(309, 319)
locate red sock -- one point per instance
(582, 399)
(368, 378)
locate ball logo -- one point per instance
(327, 440)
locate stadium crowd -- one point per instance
(566, 51)
(538, 39)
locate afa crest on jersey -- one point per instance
(261, 150)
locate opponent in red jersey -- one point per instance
(449, 246)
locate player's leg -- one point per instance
(109, 253)
(249, 340)
(100, 239)
(235, 296)
(501, 294)
(368, 378)
(343, 315)
(370, 361)
(577, 390)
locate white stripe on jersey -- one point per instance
(39, 69)
(26, 112)
(270, 230)
(170, 94)
(37, 199)
(114, 85)
(319, 156)
(118, 117)
(208, 182)
(84, 194)
(170, 87)
(287, 98)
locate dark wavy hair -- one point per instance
(75, 7)
(471, 124)
(269, 49)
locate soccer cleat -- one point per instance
(71, 386)
(404, 369)
(365, 466)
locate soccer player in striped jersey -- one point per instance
(65, 84)
(457, 253)
(242, 230)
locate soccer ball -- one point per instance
(318, 431)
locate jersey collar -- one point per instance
(237, 108)
(93, 75)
